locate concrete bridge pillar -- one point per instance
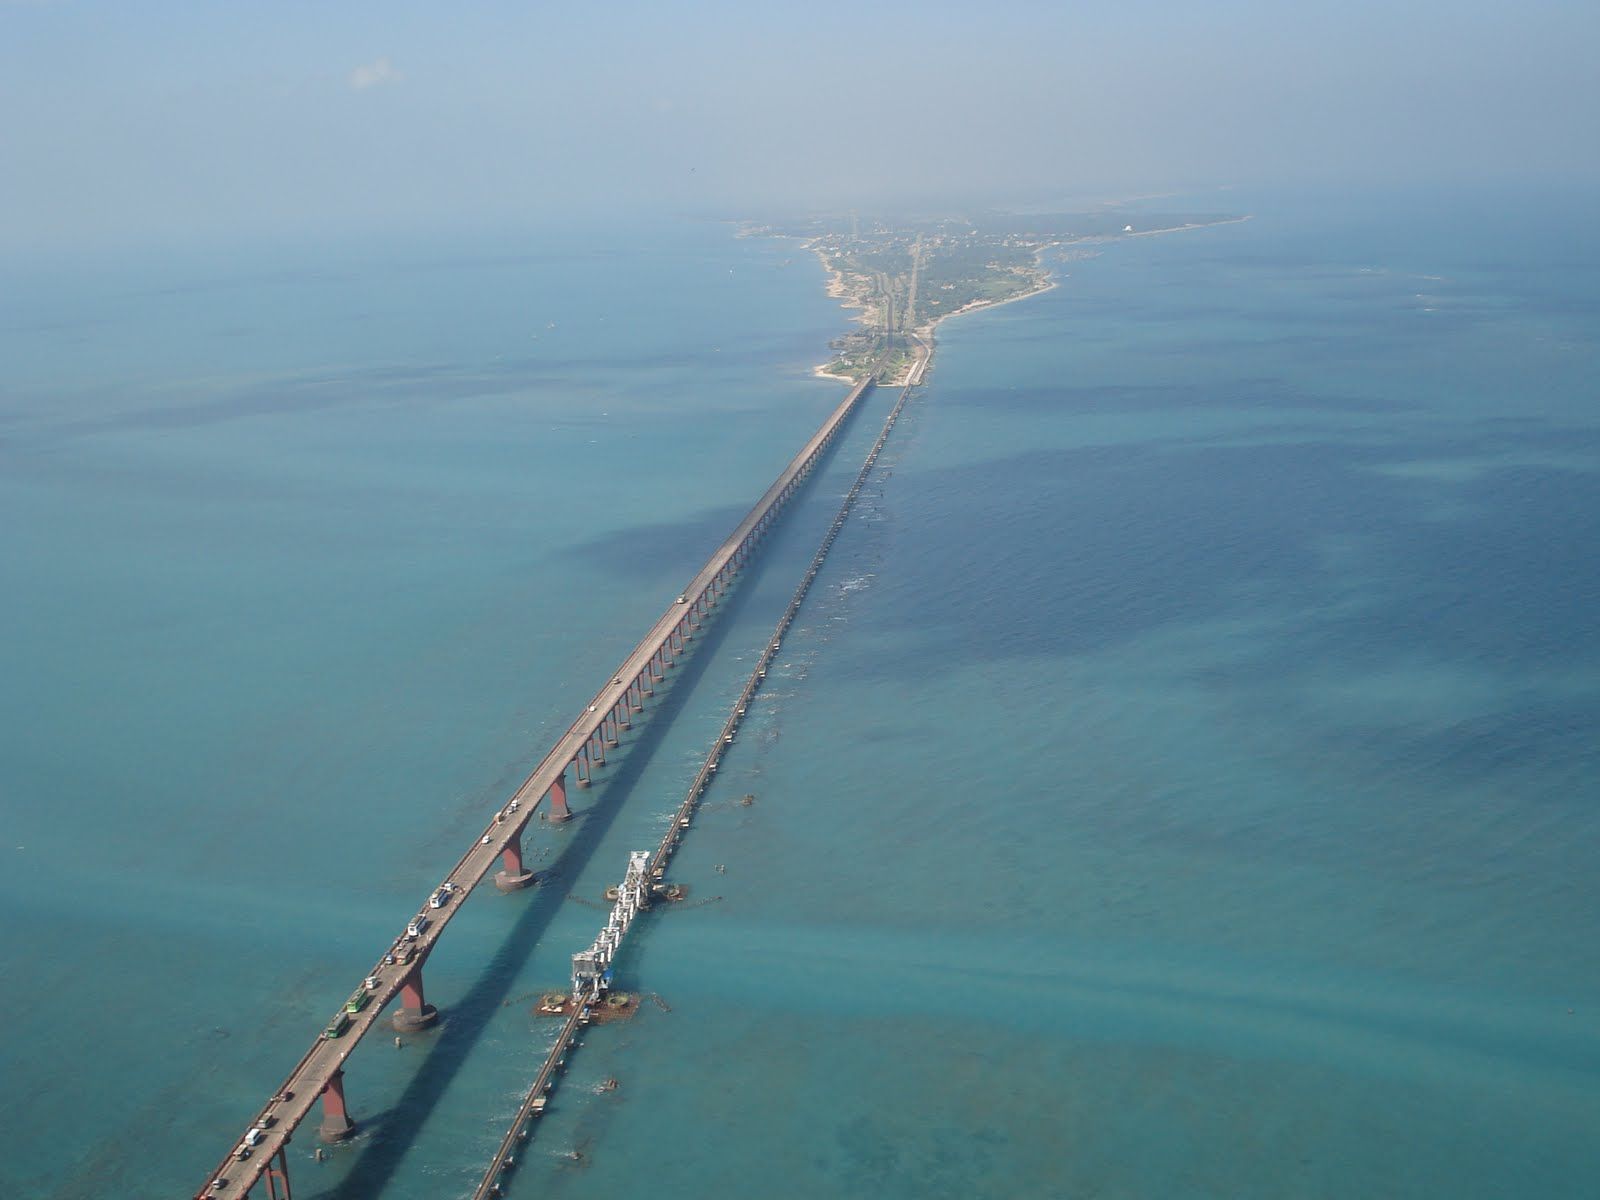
(512, 874)
(558, 800)
(414, 1013)
(277, 1174)
(581, 768)
(336, 1123)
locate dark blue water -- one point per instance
(1181, 783)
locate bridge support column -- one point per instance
(277, 1174)
(336, 1123)
(512, 874)
(581, 767)
(414, 1013)
(597, 746)
(558, 800)
(623, 713)
(647, 679)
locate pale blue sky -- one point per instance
(165, 119)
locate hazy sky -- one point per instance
(153, 118)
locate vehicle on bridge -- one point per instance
(338, 1025)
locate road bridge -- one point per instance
(260, 1152)
(591, 974)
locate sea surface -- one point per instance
(1182, 781)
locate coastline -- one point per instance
(1191, 225)
(856, 291)
(837, 290)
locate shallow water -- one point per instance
(1180, 782)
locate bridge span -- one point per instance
(590, 968)
(261, 1150)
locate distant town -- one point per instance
(907, 275)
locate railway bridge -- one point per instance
(260, 1153)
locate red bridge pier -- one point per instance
(336, 1122)
(414, 1013)
(558, 800)
(277, 1174)
(513, 874)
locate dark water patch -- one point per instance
(1520, 736)
(430, 383)
(1518, 582)
(295, 395)
(1075, 552)
(1070, 551)
(1263, 392)
(1499, 434)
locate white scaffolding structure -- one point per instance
(591, 968)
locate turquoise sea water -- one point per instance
(1181, 782)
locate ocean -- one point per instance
(1180, 782)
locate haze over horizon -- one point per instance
(170, 120)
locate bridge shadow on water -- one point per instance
(463, 1025)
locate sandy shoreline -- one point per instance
(837, 290)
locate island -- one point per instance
(906, 275)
